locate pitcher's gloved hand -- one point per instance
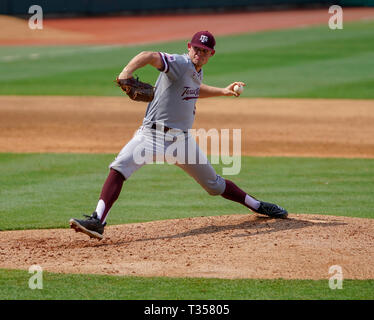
(136, 90)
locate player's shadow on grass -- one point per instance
(256, 226)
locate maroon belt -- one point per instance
(164, 128)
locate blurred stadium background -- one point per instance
(100, 7)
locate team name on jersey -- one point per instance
(190, 93)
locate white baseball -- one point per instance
(238, 88)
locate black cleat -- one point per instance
(91, 226)
(272, 210)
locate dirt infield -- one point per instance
(234, 246)
(270, 127)
(151, 29)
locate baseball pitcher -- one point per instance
(168, 118)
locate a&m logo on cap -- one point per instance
(203, 38)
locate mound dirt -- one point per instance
(231, 246)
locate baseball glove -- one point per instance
(136, 90)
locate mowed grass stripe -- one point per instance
(14, 286)
(313, 62)
(46, 190)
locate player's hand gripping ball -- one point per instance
(238, 88)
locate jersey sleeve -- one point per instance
(174, 65)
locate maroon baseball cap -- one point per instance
(203, 39)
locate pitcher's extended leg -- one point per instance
(214, 184)
(109, 193)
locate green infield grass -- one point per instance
(46, 190)
(310, 62)
(14, 285)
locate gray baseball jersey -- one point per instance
(173, 106)
(177, 89)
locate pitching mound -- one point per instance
(232, 246)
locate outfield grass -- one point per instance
(14, 285)
(46, 190)
(313, 62)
